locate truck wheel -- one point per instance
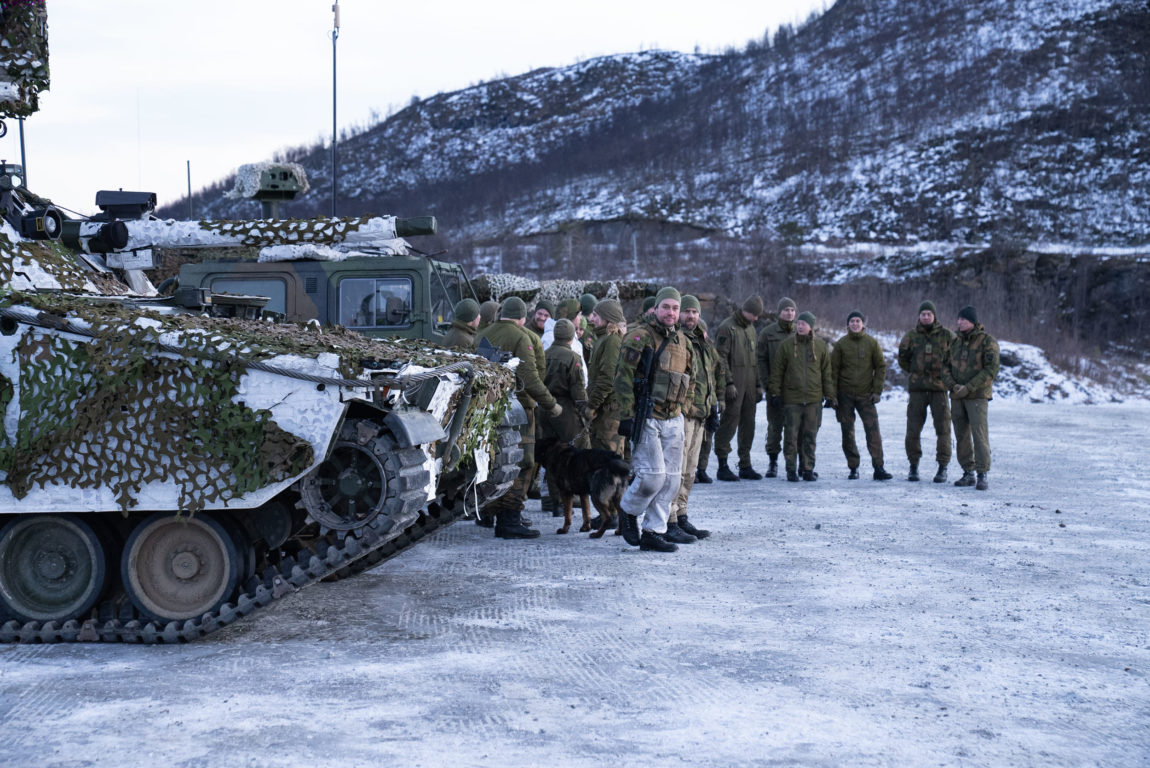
(52, 567)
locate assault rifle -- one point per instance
(644, 404)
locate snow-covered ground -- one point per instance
(823, 624)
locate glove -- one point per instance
(758, 394)
(713, 419)
(875, 399)
(776, 401)
(831, 403)
(960, 391)
(584, 411)
(625, 427)
(556, 411)
(730, 393)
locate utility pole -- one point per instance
(334, 135)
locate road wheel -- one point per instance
(52, 567)
(176, 568)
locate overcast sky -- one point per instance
(140, 87)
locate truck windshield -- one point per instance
(379, 302)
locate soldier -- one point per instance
(735, 342)
(607, 320)
(700, 416)
(766, 347)
(464, 325)
(969, 374)
(488, 313)
(568, 310)
(544, 311)
(701, 475)
(564, 381)
(657, 459)
(859, 372)
(922, 353)
(508, 334)
(644, 313)
(800, 380)
(584, 328)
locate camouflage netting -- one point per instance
(499, 287)
(40, 260)
(115, 412)
(23, 56)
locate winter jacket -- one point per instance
(461, 336)
(922, 353)
(735, 343)
(857, 365)
(521, 343)
(973, 361)
(801, 371)
(767, 346)
(564, 381)
(601, 370)
(709, 379)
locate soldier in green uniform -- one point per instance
(583, 328)
(488, 313)
(922, 354)
(800, 380)
(564, 380)
(657, 459)
(701, 475)
(859, 371)
(735, 342)
(464, 326)
(609, 327)
(969, 374)
(697, 414)
(544, 311)
(508, 334)
(766, 347)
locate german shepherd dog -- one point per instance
(587, 473)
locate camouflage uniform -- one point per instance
(508, 336)
(735, 342)
(461, 336)
(706, 386)
(859, 371)
(658, 460)
(766, 348)
(801, 375)
(601, 391)
(973, 363)
(922, 353)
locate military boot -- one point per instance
(792, 476)
(630, 529)
(940, 475)
(966, 480)
(677, 535)
(749, 473)
(810, 475)
(698, 533)
(983, 483)
(702, 477)
(509, 526)
(881, 474)
(913, 476)
(854, 475)
(725, 473)
(654, 542)
(773, 469)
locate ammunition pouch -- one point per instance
(670, 387)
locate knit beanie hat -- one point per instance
(571, 308)
(784, 303)
(689, 302)
(488, 311)
(928, 305)
(467, 310)
(667, 292)
(564, 330)
(808, 318)
(855, 314)
(513, 308)
(753, 305)
(648, 303)
(587, 303)
(547, 305)
(703, 324)
(610, 310)
(969, 313)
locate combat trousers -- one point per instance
(656, 461)
(848, 405)
(916, 419)
(738, 415)
(693, 431)
(775, 420)
(516, 496)
(971, 434)
(800, 429)
(705, 450)
(605, 433)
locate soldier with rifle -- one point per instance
(652, 385)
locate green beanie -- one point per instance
(513, 308)
(587, 303)
(855, 314)
(784, 303)
(564, 330)
(466, 310)
(928, 305)
(969, 313)
(703, 324)
(667, 292)
(610, 311)
(489, 311)
(689, 302)
(569, 308)
(808, 318)
(648, 303)
(753, 305)
(547, 305)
